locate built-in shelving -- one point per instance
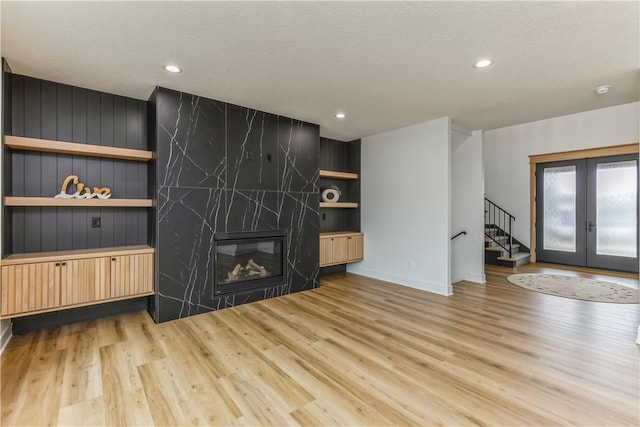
(50, 201)
(50, 146)
(337, 175)
(338, 205)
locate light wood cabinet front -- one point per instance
(84, 280)
(326, 251)
(340, 248)
(30, 287)
(37, 283)
(131, 275)
(355, 244)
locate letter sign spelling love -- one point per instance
(99, 192)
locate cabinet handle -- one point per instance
(349, 238)
(64, 263)
(57, 264)
(113, 259)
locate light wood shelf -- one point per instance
(50, 201)
(76, 254)
(50, 146)
(337, 175)
(338, 205)
(329, 234)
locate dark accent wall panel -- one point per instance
(343, 157)
(6, 167)
(252, 149)
(49, 110)
(190, 141)
(225, 168)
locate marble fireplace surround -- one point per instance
(222, 168)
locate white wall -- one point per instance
(405, 202)
(467, 207)
(507, 150)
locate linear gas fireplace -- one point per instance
(249, 260)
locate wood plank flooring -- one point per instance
(355, 351)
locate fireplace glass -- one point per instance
(249, 260)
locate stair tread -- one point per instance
(499, 248)
(515, 257)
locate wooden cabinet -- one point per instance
(35, 283)
(131, 275)
(30, 287)
(340, 248)
(84, 280)
(354, 247)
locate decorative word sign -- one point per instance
(99, 192)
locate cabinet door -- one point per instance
(326, 251)
(85, 280)
(131, 275)
(30, 287)
(340, 249)
(355, 248)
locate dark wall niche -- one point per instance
(54, 111)
(222, 168)
(5, 167)
(342, 157)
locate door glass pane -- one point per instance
(559, 209)
(616, 208)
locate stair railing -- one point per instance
(501, 222)
(459, 234)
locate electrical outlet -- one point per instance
(324, 216)
(95, 222)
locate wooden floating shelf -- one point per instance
(338, 205)
(337, 175)
(329, 234)
(49, 146)
(100, 203)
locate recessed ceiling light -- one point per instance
(601, 90)
(483, 63)
(172, 68)
(341, 115)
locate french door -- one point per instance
(587, 212)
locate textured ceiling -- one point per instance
(386, 64)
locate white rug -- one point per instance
(576, 288)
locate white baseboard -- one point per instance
(410, 282)
(471, 277)
(5, 334)
(475, 278)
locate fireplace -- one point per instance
(249, 260)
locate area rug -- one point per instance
(576, 288)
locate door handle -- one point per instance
(590, 225)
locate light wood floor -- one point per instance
(353, 352)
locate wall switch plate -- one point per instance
(95, 222)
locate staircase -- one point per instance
(500, 248)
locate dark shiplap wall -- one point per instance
(342, 157)
(48, 110)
